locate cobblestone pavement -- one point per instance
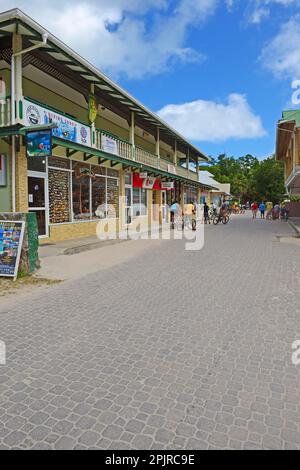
(169, 350)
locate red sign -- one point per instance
(139, 182)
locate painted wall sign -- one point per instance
(172, 169)
(109, 145)
(11, 240)
(67, 129)
(3, 170)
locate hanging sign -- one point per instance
(167, 185)
(143, 174)
(109, 145)
(148, 182)
(92, 108)
(2, 170)
(11, 240)
(67, 128)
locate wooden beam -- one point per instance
(102, 160)
(87, 157)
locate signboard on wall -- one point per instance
(109, 145)
(167, 185)
(67, 129)
(3, 170)
(11, 240)
(172, 169)
(39, 143)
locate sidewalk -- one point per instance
(74, 259)
(295, 224)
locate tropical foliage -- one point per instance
(251, 179)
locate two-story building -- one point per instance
(288, 149)
(111, 157)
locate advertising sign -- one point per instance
(38, 143)
(167, 185)
(148, 182)
(11, 240)
(143, 174)
(109, 145)
(2, 170)
(67, 129)
(92, 108)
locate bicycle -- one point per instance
(221, 218)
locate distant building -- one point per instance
(287, 149)
(218, 191)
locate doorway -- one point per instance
(37, 200)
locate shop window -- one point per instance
(57, 162)
(112, 197)
(128, 179)
(112, 173)
(139, 202)
(98, 170)
(136, 202)
(81, 197)
(99, 197)
(143, 202)
(59, 196)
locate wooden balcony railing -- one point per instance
(5, 112)
(114, 145)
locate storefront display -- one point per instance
(59, 196)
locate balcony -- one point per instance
(5, 112)
(136, 154)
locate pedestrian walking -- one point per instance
(254, 208)
(206, 213)
(262, 208)
(269, 208)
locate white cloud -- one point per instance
(212, 121)
(131, 37)
(261, 9)
(282, 54)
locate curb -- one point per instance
(295, 227)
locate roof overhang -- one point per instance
(59, 53)
(285, 130)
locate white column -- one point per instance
(131, 136)
(17, 92)
(157, 151)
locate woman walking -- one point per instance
(254, 208)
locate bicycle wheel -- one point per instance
(225, 219)
(216, 220)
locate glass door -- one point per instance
(164, 207)
(37, 200)
(128, 199)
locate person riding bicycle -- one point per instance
(190, 214)
(175, 211)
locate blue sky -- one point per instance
(219, 71)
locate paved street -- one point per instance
(169, 350)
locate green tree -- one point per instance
(249, 177)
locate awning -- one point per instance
(285, 131)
